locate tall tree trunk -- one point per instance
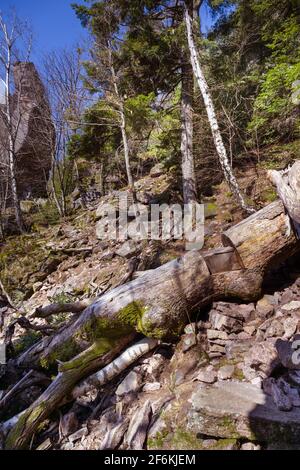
(101, 177)
(187, 95)
(14, 188)
(126, 148)
(202, 83)
(11, 142)
(187, 158)
(53, 190)
(123, 122)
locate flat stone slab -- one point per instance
(241, 410)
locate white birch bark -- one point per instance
(116, 367)
(219, 144)
(11, 152)
(187, 125)
(122, 119)
(187, 157)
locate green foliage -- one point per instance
(139, 111)
(275, 101)
(251, 60)
(100, 138)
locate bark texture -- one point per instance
(212, 117)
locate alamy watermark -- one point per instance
(138, 222)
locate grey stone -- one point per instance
(33, 129)
(265, 307)
(128, 249)
(241, 410)
(68, 424)
(243, 335)
(215, 348)
(68, 446)
(112, 430)
(250, 330)
(224, 322)
(263, 356)
(137, 429)
(257, 381)
(153, 366)
(226, 372)
(238, 349)
(209, 443)
(290, 326)
(267, 385)
(290, 391)
(276, 329)
(113, 201)
(189, 341)
(265, 325)
(250, 446)
(281, 400)
(241, 312)
(131, 383)
(249, 373)
(292, 306)
(214, 355)
(151, 387)
(207, 376)
(220, 342)
(215, 334)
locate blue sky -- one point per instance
(54, 22)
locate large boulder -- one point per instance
(35, 136)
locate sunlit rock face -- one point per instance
(34, 133)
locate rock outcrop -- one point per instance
(34, 133)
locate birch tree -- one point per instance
(212, 117)
(68, 98)
(121, 112)
(187, 98)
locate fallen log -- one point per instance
(263, 239)
(93, 358)
(156, 305)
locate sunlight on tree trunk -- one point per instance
(219, 144)
(187, 157)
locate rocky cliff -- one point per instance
(33, 130)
